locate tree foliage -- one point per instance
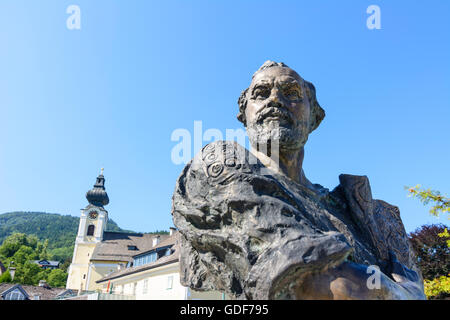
(438, 288)
(18, 251)
(59, 231)
(57, 278)
(27, 236)
(433, 254)
(441, 204)
(5, 277)
(430, 243)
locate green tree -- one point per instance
(435, 250)
(66, 264)
(432, 252)
(5, 277)
(32, 241)
(438, 288)
(26, 273)
(60, 231)
(441, 204)
(24, 254)
(22, 250)
(15, 241)
(12, 244)
(44, 254)
(57, 278)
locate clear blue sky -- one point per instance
(110, 95)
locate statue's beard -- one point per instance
(274, 133)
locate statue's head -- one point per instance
(280, 105)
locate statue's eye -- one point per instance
(261, 93)
(291, 93)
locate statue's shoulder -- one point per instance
(214, 167)
(356, 188)
(378, 219)
(358, 194)
(358, 197)
(218, 158)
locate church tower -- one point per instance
(94, 217)
(93, 221)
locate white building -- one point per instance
(154, 275)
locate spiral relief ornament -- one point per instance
(215, 170)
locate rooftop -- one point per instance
(174, 257)
(119, 246)
(47, 262)
(44, 293)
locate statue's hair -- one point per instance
(317, 113)
(268, 64)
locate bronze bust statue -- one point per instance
(253, 226)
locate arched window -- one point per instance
(91, 229)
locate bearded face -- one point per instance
(278, 109)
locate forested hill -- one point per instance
(60, 230)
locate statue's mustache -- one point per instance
(278, 112)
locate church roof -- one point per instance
(172, 258)
(121, 246)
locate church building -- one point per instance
(99, 252)
(120, 264)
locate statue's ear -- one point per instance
(242, 102)
(317, 113)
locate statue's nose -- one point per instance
(274, 100)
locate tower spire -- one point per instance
(97, 195)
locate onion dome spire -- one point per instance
(97, 196)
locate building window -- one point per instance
(91, 229)
(145, 288)
(15, 295)
(148, 258)
(169, 282)
(36, 297)
(119, 289)
(163, 252)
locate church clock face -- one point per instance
(93, 215)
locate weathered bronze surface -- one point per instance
(253, 226)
